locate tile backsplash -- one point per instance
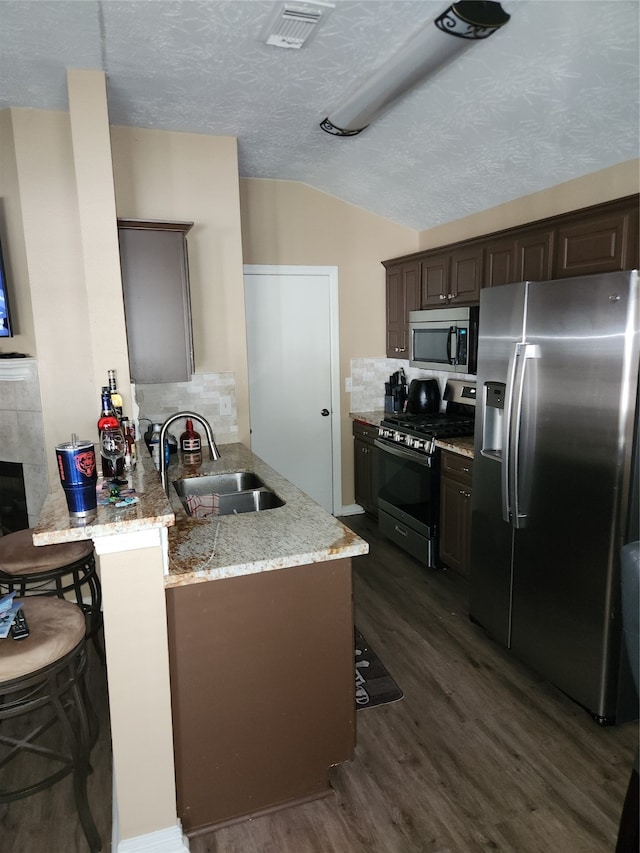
(212, 395)
(368, 376)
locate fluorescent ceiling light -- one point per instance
(442, 40)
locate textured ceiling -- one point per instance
(551, 96)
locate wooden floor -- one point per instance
(480, 755)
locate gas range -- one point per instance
(420, 432)
(409, 470)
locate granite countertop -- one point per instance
(462, 446)
(298, 533)
(152, 511)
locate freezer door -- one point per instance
(501, 330)
(574, 445)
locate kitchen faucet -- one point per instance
(214, 453)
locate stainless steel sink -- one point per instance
(217, 484)
(213, 495)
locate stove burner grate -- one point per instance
(430, 426)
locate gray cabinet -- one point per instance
(155, 283)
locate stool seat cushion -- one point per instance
(19, 556)
(55, 629)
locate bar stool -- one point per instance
(65, 568)
(43, 676)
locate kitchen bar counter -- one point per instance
(152, 510)
(154, 562)
(298, 533)
(463, 446)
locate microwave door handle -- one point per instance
(452, 336)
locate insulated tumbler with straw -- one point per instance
(78, 475)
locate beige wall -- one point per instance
(291, 223)
(605, 185)
(194, 178)
(45, 221)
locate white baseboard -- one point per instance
(169, 840)
(352, 509)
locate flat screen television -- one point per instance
(5, 316)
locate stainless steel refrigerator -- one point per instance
(555, 480)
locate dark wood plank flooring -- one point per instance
(480, 755)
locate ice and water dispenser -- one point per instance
(494, 394)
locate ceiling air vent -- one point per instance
(294, 24)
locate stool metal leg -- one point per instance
(80, 745)
(59, 692)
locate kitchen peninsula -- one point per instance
(249, 619)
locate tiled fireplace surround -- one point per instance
(22, 430)
(210, 394)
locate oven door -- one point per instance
(408, 499)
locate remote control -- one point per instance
(19, 630)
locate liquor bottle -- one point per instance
(154, 444)
(116, 398)
(108, 420)
(129, 436)
(191, 445)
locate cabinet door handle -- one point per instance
(400, 530)
(442, 296)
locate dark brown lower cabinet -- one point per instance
(365, 462)
(455, 511)
(262, 689)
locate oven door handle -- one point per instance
(405, 453)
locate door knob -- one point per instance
(325, 413)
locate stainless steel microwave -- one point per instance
(444, 339)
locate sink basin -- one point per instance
(211, 496)
(218, 484)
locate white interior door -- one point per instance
(292, 347)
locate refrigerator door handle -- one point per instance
(505, 496)
(511, 507)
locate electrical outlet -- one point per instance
(225, 406)
(348, 384)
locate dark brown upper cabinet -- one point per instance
(592, 244)
(403, 296)
(452, 278)
(602, 238)
(527, 256)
